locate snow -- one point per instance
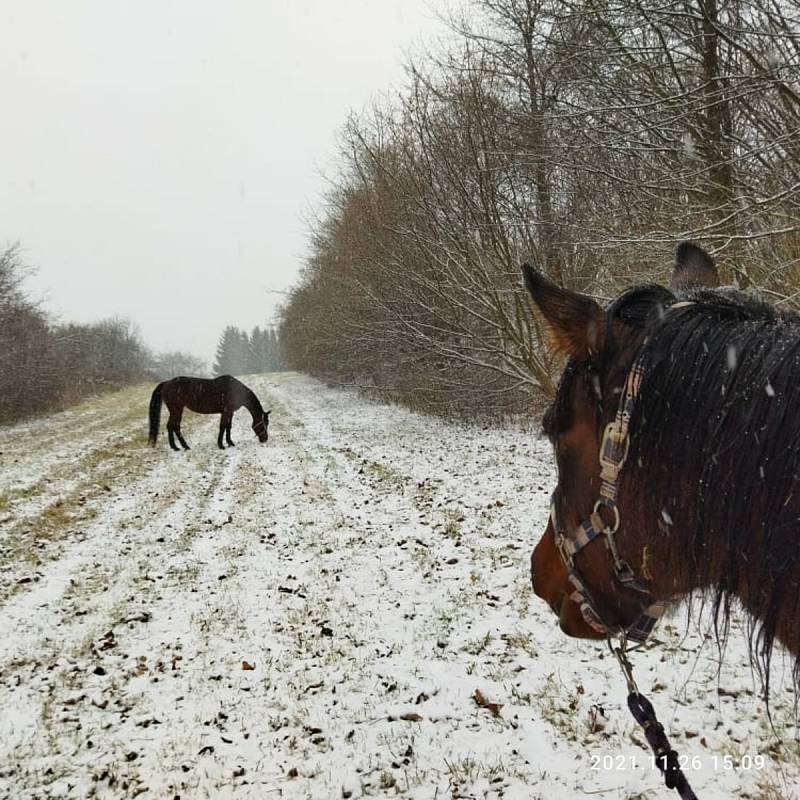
(312, 618)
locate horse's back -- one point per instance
(204, 395)
(178, 387)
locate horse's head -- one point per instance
(261, 427)
(601, 346)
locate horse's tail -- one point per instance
(155, 413)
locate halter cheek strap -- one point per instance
(613, 452)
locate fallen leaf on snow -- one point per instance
(481, 700)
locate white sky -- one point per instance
(158, 159)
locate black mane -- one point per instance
(720, 407)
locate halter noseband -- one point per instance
(613, 452)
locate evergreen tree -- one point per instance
(263, 352)
(255, 361)
(232, 352)
(237, 353)
(273, 351)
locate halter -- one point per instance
(614, 448)
(613, 452)
(262, 423)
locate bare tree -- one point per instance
(175, 362)
(589, 135)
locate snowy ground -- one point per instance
(313, 617)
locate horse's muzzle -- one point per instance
(551, 582)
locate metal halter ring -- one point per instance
(613, 506)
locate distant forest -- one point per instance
(238, 353)
(46, 366)
(588, 137)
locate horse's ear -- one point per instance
(694, 269)
(267, 413)
(577, 323)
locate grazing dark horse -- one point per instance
(223, 395)
(676, 429)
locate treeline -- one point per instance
(46, 366)
(587, 136)
(238, 354)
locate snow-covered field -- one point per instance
(313, 618)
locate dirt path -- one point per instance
(312, 618)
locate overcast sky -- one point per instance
(158, 159)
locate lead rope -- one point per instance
(643, 712)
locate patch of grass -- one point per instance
(520, 697)
(185, 573)
(523, 594)
(188, 533)
(401, 748)
(281, 418)
(8, 496)
(452, 523)
(383, 478)
(558, 707)
(421, 556)
(517, 640)
(99, 469)
(463, 770)
(476, 646)
(468, 769)
(770, 790)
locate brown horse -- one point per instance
(223, 395)
(676, 429)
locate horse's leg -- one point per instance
(171, 431)
(225, 428)
(221, 431)
(178, 417)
